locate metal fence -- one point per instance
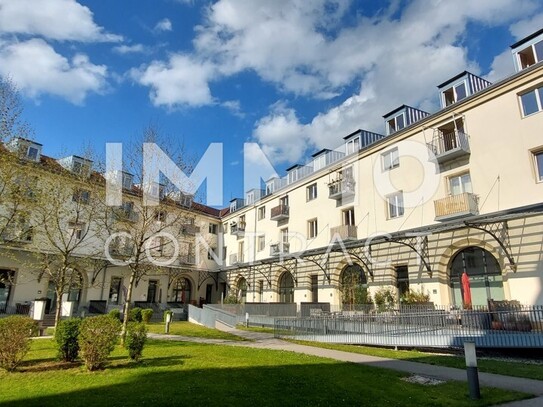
(444, 327)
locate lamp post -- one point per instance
(472, 371)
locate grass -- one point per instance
(518, 369)
(185, 328)
(186, 373)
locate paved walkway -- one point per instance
(267, 341)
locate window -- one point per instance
(81, 196)
(353, 145)
(390, 159)
(127, 181)
(213, 228)
(402, 280)
(532, 102)
(348, 217)
(250, 198)
(115, 290)
(157, 245)
(32, 153)
(77, 230)
(261, 213)
(460, 184)
(319, 162)
(396, 123)
(284, 235)
(538, 160)
(530, 55)
(261, 243)
(314, 288)
(284, 201)
(160, 216)
(312, 229)
(395, 205)
(311, 192)
(454, 94)
(212, 253)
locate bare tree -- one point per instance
(68, 237)
(152, 238)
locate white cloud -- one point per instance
(37, 69)
(182, 81)
(129, 49)
(526, 27)
(53, 19)
(163, 25)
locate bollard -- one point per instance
(168, 320)
(472, 371)
(247, 319)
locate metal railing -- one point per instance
(456, 205)
(279, 212)
(341, 189)
(450, 145)
(237, 228)
(345, 232)
(441, 327)
(279, 248)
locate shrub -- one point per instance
(136, 335)
(97, 339)
(415, 297)
(231, 299)
(384, 299)
(134, 314)
(66, 334)
(146, 315)
(15, 333)
(115, 313)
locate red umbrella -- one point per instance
(466, 290)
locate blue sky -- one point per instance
(294, 76)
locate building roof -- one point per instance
(526, 39)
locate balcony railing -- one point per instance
(448, 146)
(456, 206)
(279, 248)
(190, 229)
(341, 189)
(235, 258)
(187, 259)
(344, 232)
(237, 229)
(280, 212)
(17, 236)
(124, 215)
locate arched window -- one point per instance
(242, 290)
(286, 288)
(484, 274)
(182, 291)
(353, 286)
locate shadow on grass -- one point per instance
(310, 384)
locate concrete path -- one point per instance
(267, 341)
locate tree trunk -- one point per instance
(126, 307)
(58, 310)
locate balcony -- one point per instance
(456, 206)
(279, 248)
(341, 189)
(190, 229)
(345, 232)
(451, 145)
(21, 236)
(280, 212)
(124, 215)
(237, 229)
(235, 258)
(187, 259)
(121, 249)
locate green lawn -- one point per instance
(518, 369)
(192, 374)
(193, 330)
(255, 329)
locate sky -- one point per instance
(293, 76)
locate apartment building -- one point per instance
(435, 195)
(55, 210)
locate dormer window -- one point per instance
(353, 145)
(454, 94)
(250, 198)
(127, 181)
(396, 123)
(530, 55)
(32, 153)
